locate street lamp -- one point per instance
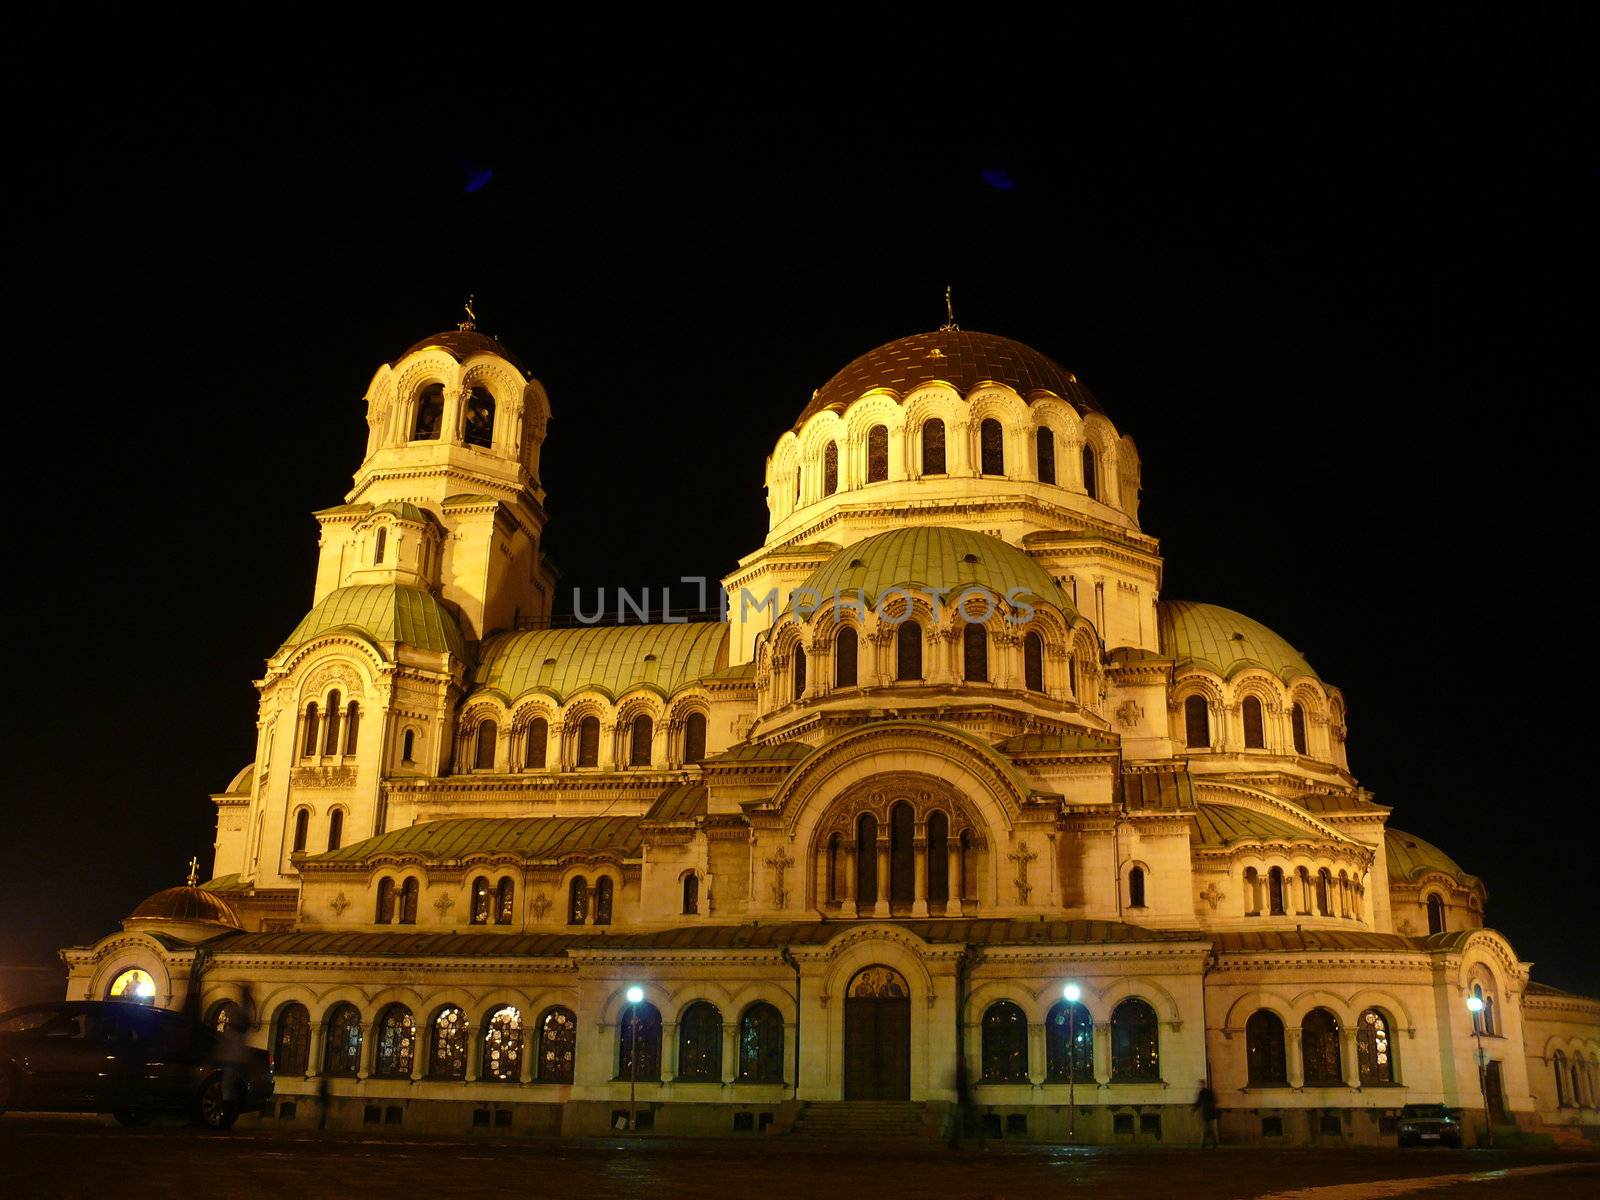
(635, 994)
(1475, 1007)
(1070, 993)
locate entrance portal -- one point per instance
(877, 1036)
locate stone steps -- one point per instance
(863, 1119)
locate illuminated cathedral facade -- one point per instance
(952, 815)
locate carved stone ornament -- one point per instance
(1213, 895)
(780, 864)
(541, 905)
(324, 777)
(1129, 714)
(339, 903)
(444, 903)
(1022, 856)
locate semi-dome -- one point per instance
(959, 357)
(185, 905)
(385, 612)
(933, 558)
(1221, 640)
(462, 344)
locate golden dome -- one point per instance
(189, 905)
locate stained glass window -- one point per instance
(1264, 1049)
(602, 900)
(342, 1055)
(502, 1045)
(700, 1042)
(1135, 1042)
(1372, 1048)
(448, 1059)
(1319, 1048)
(291, 1044)
(397, 1043)
(1069, 1024)
(578, 901)
(761, 1045)
(505, 901)
(558, 1041)
(877, 454)
(135, 986)
(480, 901)
(639, 1040)
(408, 901)
(1005, 1043)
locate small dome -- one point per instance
(933, 557)
(955, 356)
(385, 612)
(188, 905)
(1226, 642)
(462, 344)
(1409, 858)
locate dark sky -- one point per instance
(1333, 274)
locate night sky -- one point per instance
(1333, 275)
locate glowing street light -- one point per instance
(635, 994)
(1475, 1007)
(1070, 993)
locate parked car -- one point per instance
(128, 1060)
(1429, 1125)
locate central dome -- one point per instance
(958, 357)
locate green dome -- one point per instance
(1410, 858)
(1221, 640)
(933, 558)
(385, 612)
(405, 511)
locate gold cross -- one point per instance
(194, 871)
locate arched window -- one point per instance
(385, 912)
(447, 1058)
(830, 468)
(1005, 1044)
(589, 742)
(1252, 892)
(228, 1017)
(1319, 1049)
(639, 1043)
(558, 1045)
(877, 454)
(1196, 721)
(538, 744)
(640, 734)
(845, 645)
(1302, 890)
(1069, 1043)
(502, 1045)
(408, 901)
(352, 726)
(797, 479)
(602, 900)
(933, 446)
(408, 746)
(1045, 440)
(1436, 913)
(1324, 886)
(578, 901)
(1255, 735)
(694, 737)
(902, 853)
(480, 418)
(1135, 887)
(397, 1043)
(1275, 892)
(291, 1040)
(866, 860)
(938, 857)
(761, 1044)
(992, 447)
(330, 736)
(430, 413)
(1372, 1048)
(700, 1043)
(378, 545)
(488, 735)
(1297, 726)
(799, 671)
(1264, 1050)
(1559, 1062)
(335, 829)
(341, 1054)
(308, 745)
(969, 865)
(1091, 473)
(480, 901)
(505, 901)
(1033, 662)
(836, 865)
(974, 653)
(691, 895)
(302, 824)
(908, 650)
(1135, 1042)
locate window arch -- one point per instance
(480, 901)
(335, 829)
(408, 746)
(505, 901)
(641, 733)
(308, 745)
(1324, 888)
(1045, 441)
(1374, 1054)
(1255, 734)
(578, 901)
(1135, 1042)
(836, 867)
(479, 429)
(938, 857)
(1252, 892)
(969, 865)
(830, 468)
(589, 742)
(558, 1045)
(1005, 1044)
(1033, 662)
(302, 827)
(991, 447)
(1275, 905)
(866, 860)
(1196, 721)
(408, 900)
(761, 1044)
(227, 1016)
(1135, 887)
(974, 653)
(1069, 1042)
(933, 447)
(700, 1043)
(639, 1042)
(397, 1043)
(877, 454)
(1297, 726)
(488, 734)
(694, 737)
(691, 895)
(430, 414)
(1319, 1049)
(1436, 920)
(908, 650)
(502, 1045)
(1091, 473)
(1558, 1061)
(902, 853)
(602, 900)
(330, 735)
(385, 910)
(845, 647)
(1265, 1061)
(799, 671)
(291, 1040)
(352, 726)
(378, 545)
(341, 1054)
(447, 1057)
(537, 745)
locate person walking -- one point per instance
(1205, 1102)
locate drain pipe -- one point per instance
(794, 963)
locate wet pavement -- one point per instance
(93, 1157)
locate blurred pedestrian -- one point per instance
(1205, 1102)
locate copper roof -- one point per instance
(1410, 858)
(185, 904)
(958, 357)
(537, 839)
(462, 344)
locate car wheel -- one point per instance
(216, 1107)
(131, 1118)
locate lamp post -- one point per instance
(635, 994)
(1475, 1007)
(1070, 993)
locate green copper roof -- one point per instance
(1073, 742)
(1160, 790)
(933, 557)
(1410, 858)
(612, 658)
(405, 510)
(1227, 642)
(683, 802)
(385, 612)
(1221, 825)
(533, 838)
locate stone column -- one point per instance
(1102, 1053)
(669, 1052)
(315, 1050)
(474, 1053)
(919, 875)
(530, 1051)
(1349, 1062)
(369, 1050)
(952, 906)
(1037, 1065)
(419, 1054)
(730, 1052)
(1294, 1059)
(881, 909)
(847, 895)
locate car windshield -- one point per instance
(26, 1019)
(1425, 1110)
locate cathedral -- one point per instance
(944, 811)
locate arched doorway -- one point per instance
(877, 1036)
